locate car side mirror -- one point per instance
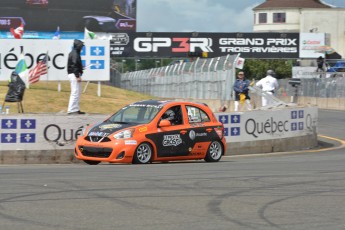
(164, 123)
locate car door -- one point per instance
(201, 130)
(171, 141)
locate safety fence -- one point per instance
(200, 79)
(212, 79)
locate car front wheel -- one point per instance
(214, 152)
(143, 154)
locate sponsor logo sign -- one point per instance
(126, 24)
(310, 45)
(267, 125)
(130, 142)
(250, 45)
(172, 140)
(95, 56)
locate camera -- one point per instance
(294, 82)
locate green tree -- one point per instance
(256, 69)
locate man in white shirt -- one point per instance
(268, 84)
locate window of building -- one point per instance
(279, 17)
(262, 18)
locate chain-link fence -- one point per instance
(212, 79)
(200, 79)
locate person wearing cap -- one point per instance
(241, 91)
(269, 85)
(75, 71)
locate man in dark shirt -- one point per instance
(75, 71)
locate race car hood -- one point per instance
(104, 129)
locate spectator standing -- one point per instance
(241, 91)
(75, 71)
(268, 84)
(320, 63)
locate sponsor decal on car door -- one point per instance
(171, 141)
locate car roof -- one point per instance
(161, 103)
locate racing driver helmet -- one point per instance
(169, 115)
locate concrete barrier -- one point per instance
(50, 138)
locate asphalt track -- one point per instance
(299, 190)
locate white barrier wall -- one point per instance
(44, 132)
(269, 124)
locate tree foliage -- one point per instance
(257, 68)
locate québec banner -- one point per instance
(95, 57)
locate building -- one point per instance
(303, 16)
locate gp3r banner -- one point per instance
(95, 57)
(249, 45)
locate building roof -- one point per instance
(292, 4)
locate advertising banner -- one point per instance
(47, 15)
(95, 56)
(249, 45)
(44, 132)
(38, 132)
(270, 124)
(311, 45)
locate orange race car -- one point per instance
(153, 130)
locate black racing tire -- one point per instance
(215, 152)
(143, 154)
(92, 162)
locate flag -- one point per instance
(239, 63)
(57, 34)
(89, 35)
(40, 69)
(21, 67)
(324, 49)
(18, 32)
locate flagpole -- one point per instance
(57, 37)
(99, 89)
(87, 83)
(27, 81)
(47, 64)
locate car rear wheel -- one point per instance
(214, 152)
(143, 154)
(92, 162)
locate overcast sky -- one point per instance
(200, 15)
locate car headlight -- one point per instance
(128, 133)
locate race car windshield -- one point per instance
(137, 114)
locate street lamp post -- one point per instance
(157, 62)
(123, 64)
(137, 64)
